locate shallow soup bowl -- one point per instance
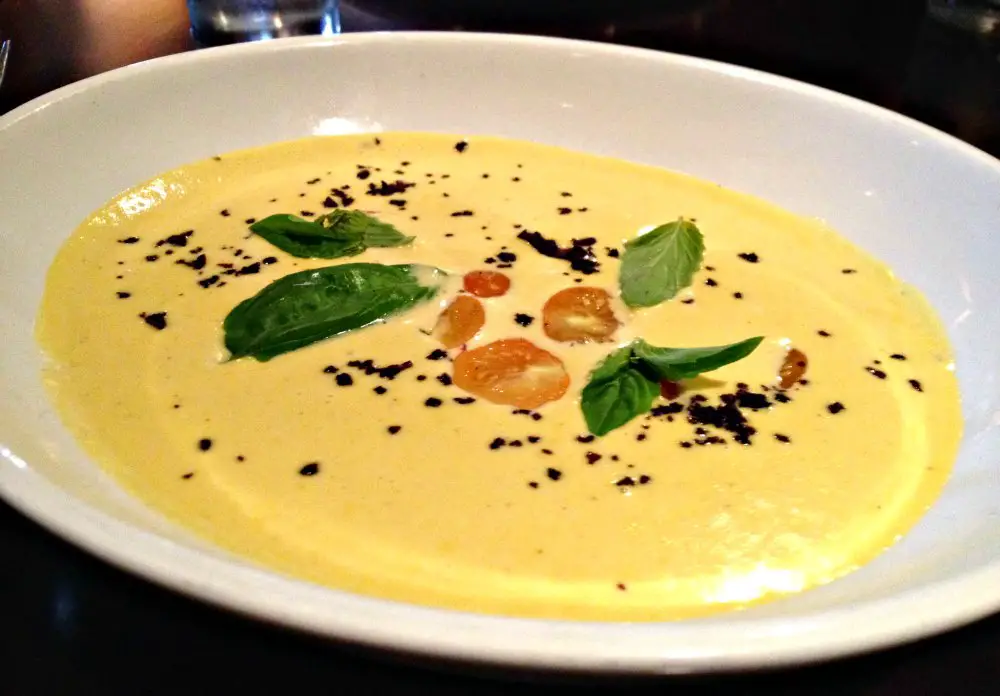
(921, 201)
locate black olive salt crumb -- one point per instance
(158, 320)
(444, 378)
(437, 354)
(749, 257)
(625, 481)
(380, 390)
(461, 146)
(464, 400)
(782, 438)
(835, 407)
(523, 319)
(188, 475)
(553, 474)
(917, 386)
(344, 380)
(432, 402)
(205, 444)
(123, 295)
(875, 372)
(898, 356)
(497, 443)
(393, 429)
(310, 469)
(585, 438)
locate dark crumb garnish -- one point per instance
(380, 390)
(461, 146)
(750, 257)
(738, 295)
(848, 271)
(625, 481)
(344, 380)
(534, 439)
(188, 475)
(917, 386)
(565, 211)
(898, 356)
(710, 282)
(462, 213)
(389, 372)
(310, 469)
(593, 457)
(432, 402)
(835, 407)
(689, 300)
(497, 443)
(515, 443)
(523, 319)
(444, 378)
(464, 400)
(580, 254)
(158, 320)
(123, 295)
(533, 484)
(393, 429)
(585, 439)
(782, 438)
(330, 370)
(205, 444)
(553, 474)
(824, 334)
(621, 586)
(876, 372)
(546, 451)
(437, 354)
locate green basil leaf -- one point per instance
(684, 363)
(335, 235)
(661, 263)
(612, 402)
(309, 306)
(372, 231)
(625, 384)
(612, 365)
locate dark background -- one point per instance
(70, 624)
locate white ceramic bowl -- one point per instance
(924, 202)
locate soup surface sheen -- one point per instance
(286, 463)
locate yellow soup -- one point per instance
(396, 483)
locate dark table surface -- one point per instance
(69, 624)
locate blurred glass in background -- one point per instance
(216, 22)
(980, 16)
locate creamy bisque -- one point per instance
(370, 485)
